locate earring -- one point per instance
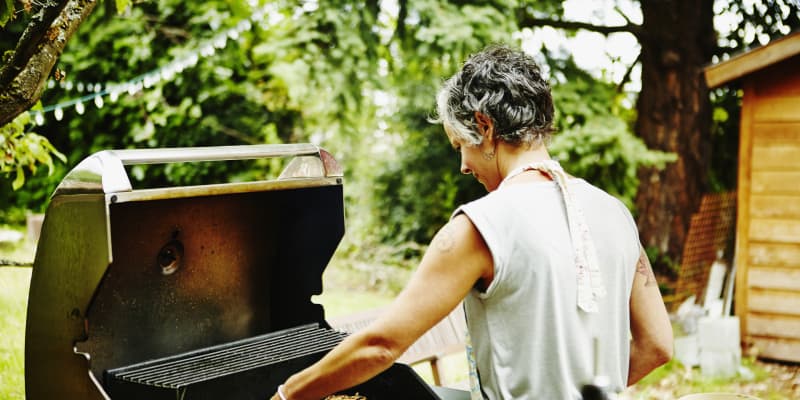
(488, 156)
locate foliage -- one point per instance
(9, 9)
(606, 153)
(363, 93)
(726, 105)
(418, 184)
(595, 139)
(416, 193)
(755, 23)
(23, 149)
(226, 109)
(422, 185)
(267, 87)
(357, 78)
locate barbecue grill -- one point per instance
(194, 292)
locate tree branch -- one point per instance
(627, 77)
(526, 20)
(23, 78)
(622, 14)
(28, 42)
(402, 14)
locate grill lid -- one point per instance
(125, 275)
(104, 172)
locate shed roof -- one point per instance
(753, 60)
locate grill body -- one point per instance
(186, 292)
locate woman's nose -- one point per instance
(464, 168)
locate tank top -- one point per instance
(530, 335)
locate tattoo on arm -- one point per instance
(643, 267)
(444, 241)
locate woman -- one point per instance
(556, 288)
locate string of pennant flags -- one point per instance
(97, 93)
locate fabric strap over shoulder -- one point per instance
(587, 270)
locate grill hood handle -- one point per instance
(104, 171)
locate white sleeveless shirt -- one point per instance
(530, 339)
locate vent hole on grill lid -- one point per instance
(170, 257)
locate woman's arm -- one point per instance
(455, 261)
(651, 345)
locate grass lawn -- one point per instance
(13, 298)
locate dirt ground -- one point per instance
(769, 380)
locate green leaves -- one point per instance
(595, 140)
(121, 5)
(6, 12)
(607, 154)
(355, 78)
(23, 150)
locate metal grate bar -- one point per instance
(264, 346)
(236, 363)
(209, 363)
(153, 367)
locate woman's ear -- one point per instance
(485, 125)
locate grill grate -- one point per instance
(185, 369)
(251, 369)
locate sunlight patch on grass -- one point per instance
(14, 284)
(347, 290)
(673, 380)
(341, 302)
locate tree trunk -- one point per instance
(23, 78)
(674, 115)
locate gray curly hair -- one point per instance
(507, 86)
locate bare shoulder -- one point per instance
(459, 243)
(458, 232)
(445, 239)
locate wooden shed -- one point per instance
(767, 255)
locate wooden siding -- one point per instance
(776, 348)
(768, 229)
(774, 278)
(774, 230)
(776, 182)
(775, 301)
(784, 255)
(774, 326)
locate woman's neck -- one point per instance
(512, 157)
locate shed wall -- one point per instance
(768, 232)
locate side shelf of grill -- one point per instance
(245, 369)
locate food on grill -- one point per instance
(346, 397)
